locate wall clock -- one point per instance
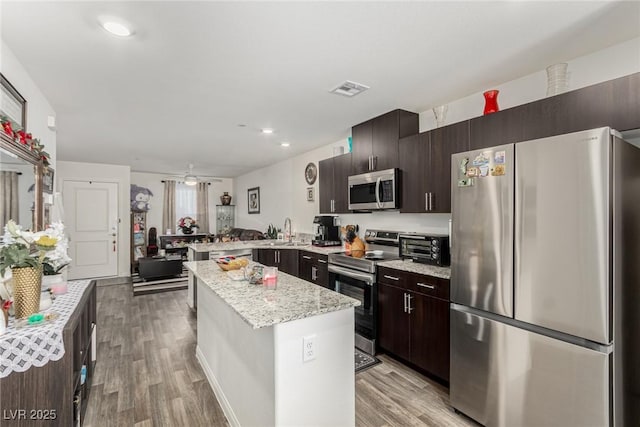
(311, 173)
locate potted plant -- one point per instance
(187, 224)
(24, 253)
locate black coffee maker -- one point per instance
(328, 233)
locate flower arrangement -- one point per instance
(187, 224)
(17, 244)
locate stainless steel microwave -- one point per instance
(374, 190)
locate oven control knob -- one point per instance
(367, 234)
(434, 256)
(435, 250)
(373, 234)
(434, 242)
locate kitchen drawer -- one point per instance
(426, 285)
(389, 276)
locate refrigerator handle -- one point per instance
(405, 301)
(450, 234)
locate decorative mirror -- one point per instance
(21, 167)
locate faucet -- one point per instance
(287, 229)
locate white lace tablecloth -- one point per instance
(22, 348)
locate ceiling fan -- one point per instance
(190, 178)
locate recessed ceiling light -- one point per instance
(116, 28)
(242, 125)
(284, 144)
(267, 130)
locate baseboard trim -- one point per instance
(217, 390)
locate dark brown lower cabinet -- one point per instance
(414, 325)
(285, 259)
(393, 322)
(430, 334)
(314, 268)
(58, 392)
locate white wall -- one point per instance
(282, 185)
(38, 108)
(76, 171)
(153, 182)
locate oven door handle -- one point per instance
(369, 279)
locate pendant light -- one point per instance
(190, 178)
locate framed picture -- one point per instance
(47, 180)
(253, 196)
(13, 104)
(310, 194)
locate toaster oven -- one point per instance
(425, 248)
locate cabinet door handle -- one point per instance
(391, 278)
(314, 273)
(306, 257)
(423, 285)
(322, 261)
(405, 302)
(426, 201)
(370, 163)
(409, 308)
(374, 162)
(430, 201)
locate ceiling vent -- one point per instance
(349, 88)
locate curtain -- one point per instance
(9, 198)
(169, 207)
(202, 197)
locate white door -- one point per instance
(91, 218)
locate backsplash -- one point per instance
(394, 221)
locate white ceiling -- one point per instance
(175, 92)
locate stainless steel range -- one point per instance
(356, 277)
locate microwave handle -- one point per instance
(378, 203)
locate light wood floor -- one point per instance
(147, 373)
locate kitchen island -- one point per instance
(251, 347)
(205, 251)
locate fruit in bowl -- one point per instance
(232, 263)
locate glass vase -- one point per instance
(491, 101)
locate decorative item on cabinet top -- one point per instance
(441, 114)
(491, 101)
(225, 199)
(557, 79)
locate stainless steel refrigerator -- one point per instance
(545, 282)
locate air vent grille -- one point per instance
(349, 88)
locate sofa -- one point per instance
(241, 234)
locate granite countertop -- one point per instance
(293, 299)
(262, 244)
(416, 267)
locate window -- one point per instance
(186, 204)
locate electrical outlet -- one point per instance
(308, 348)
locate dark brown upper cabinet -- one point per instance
(425, 163)
(333, 176)
(614, 103)
(375, 142)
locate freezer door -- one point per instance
(563, 236)
(482, 229)
(502, 375)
